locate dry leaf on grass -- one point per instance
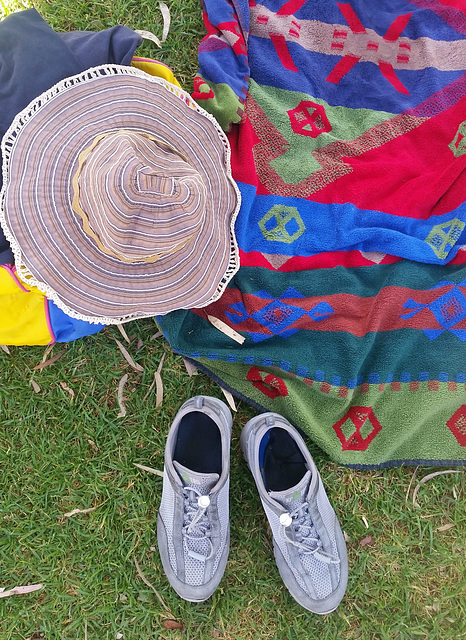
(35, 386)
(445, 527)
(46, 352)
(156, 335)
(190, 368)
(121, 403)
(428, 477)
(410, 484)
(156, 472)
(146, 581)
(128, 358)
(165, 11)
(4, 348)
(230, 399)
(172, 624)
(46, 363)
(78, 511)
(148, 35)
(367, 541)
(158, 384)
(19, 591)
(65, 387)
(93, 445)
(123, 333)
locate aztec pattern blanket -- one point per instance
(347, 122)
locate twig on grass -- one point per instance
(156, 472)
(146, 581)
(76, 511)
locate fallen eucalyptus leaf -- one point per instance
(445, 527)
(121, 403)
(46, 363)
(123, 333)
(94, 446)
(65, 387)
(229, 399)
(166, 19)
(428, 477)
(46, 352)
(19, 591)
(158, 384)
(190, 368)
(225, 329)
(148, 35)
(367, 541)
(128, 358)
(172, 624)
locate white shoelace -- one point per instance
(196, 525)
(306, 538)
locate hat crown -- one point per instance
(137, 197)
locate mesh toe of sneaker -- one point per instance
(193, 531)
(309, 546)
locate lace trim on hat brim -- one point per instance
(7, 145)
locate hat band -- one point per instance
(76, 206)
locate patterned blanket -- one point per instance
(347, 122)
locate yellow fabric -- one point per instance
(155, 68)
(23, 312)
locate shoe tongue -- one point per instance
(203, 482)
(292, 498)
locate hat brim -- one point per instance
(53, 252)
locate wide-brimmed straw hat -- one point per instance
(118, 199)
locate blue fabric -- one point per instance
(65, 328)
(314, 227)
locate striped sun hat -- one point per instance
(118, 199)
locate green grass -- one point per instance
(60, 452)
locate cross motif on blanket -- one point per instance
(351, 58)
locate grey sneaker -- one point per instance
(309, 547)
(193, 526)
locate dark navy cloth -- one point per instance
(33, 57)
